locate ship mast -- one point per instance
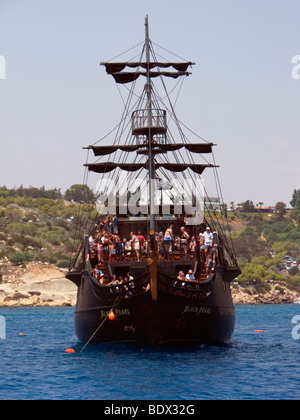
(149, 133)
(152, 261)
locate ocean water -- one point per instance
(255, 366)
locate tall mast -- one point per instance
(148, 124)
(148, 85)
(153, 267)
(149, 133)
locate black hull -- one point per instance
(171, 320)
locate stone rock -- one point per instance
(18, 295)
(35, 293)
(3, 294)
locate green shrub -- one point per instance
(280, 289)
(293, 271)
(18, 258)
(27, 241)
(248, 291)
(52, 237)
(63, 263)
(22, 228)
(2, 237)
(6, 251)
(295, 280)
(46, 256)
(263, 288)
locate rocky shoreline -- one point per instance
(37, 284)
(277, 295)
(42, 284)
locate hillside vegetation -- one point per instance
(40, 225)
(268, 245)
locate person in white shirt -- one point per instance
(190, 276)
(208, 241)
(91, 241)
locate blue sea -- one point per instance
(34, 366)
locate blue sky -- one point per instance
(241, 95)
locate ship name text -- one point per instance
(197, 310)
(118, 312)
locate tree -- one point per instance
(280, 209)
(248, 206)
(296, 198)
(4, 192)
(296, 204)
(79, 193)
(248, 245)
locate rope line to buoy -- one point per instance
(114, 306)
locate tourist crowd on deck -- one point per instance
(106, 245)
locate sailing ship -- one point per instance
(174, 289)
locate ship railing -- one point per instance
(140, 118)
(109, 292)
(172, 250)
(168, 250)
(193, 289)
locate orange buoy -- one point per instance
(259, 331)
(20, 335)
(70, 351)
(111, 315)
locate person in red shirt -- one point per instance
(141, 239)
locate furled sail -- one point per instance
(105, 167)
(127, 77)
(191, 147)
(117, 67)
(106, 150)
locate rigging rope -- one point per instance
(124, 52)
(178, 155)
(98, 328)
